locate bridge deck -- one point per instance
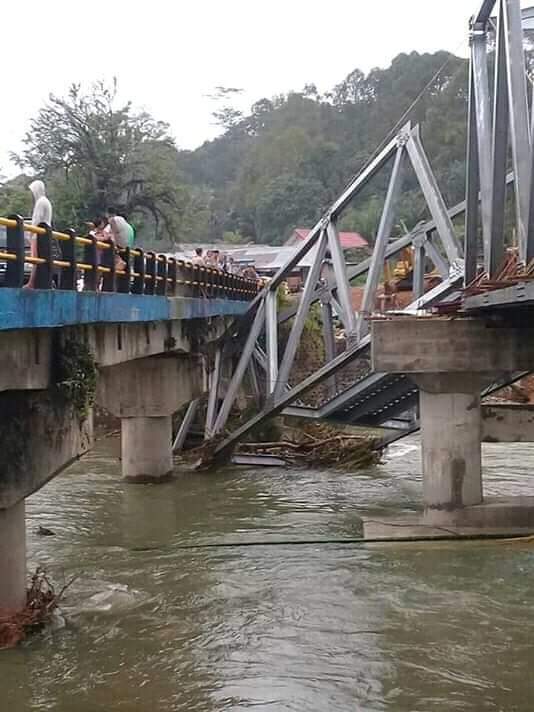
(36, 308)
(516, 295)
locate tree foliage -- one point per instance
(270, 170)
(282, 164)
(95, 152)
(15, 198)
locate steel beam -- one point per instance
(382, 237)
(300, 317)
(519, 120)
(271, 336)
(419, 268)
(301, 411)
(254, 383)
(242, 365)
(471, 187)
(343, 400)
(342, 283)
(336, 306)
(479, 63)
(185, 426)
(336, 208)
(494, 257)
(440, 263)
(433, 196)
(484, 11)
(329, 340)
(213, 393)
(530, 234)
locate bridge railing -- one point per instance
(140, 272)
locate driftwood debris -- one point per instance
(342, 450)
(41, 601)
(317, 444)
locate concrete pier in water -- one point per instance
(12, 558)
(146, 448)
(144, 393)
(451, 361)
(450, 442)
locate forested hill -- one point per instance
(270, 170)
(282, 164)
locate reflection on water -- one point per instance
(151, 625)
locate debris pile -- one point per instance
(341, 450)
(311, 445)
(41, 601)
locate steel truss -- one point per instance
(382, 399)
(499, 121)
(328, 282)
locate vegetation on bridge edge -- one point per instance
(77, 376)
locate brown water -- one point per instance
(153, 626)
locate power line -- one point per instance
(408, 111)
(448, 535)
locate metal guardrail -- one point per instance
(144, 272)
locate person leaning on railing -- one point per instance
(105, 233)
(123, 232)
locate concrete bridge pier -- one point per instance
(144, 394)
(146, 448)
(450, 417)
(451, 360)
(41, 433)
(12, 558)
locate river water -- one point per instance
(153, 625)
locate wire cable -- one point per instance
(448, 535)
(407, 112)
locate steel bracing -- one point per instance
(499, 137)
(499, 133)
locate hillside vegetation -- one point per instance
(270, 170)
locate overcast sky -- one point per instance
(168, 56)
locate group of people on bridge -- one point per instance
(106, 228)
(113, 227)
(221, 260)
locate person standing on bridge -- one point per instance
(198, 258)
(42, 213)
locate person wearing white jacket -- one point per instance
(42, 213)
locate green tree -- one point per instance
(15, 198)
(324, 139)
(94, 151)
(287, 202)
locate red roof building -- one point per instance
(348, 240)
